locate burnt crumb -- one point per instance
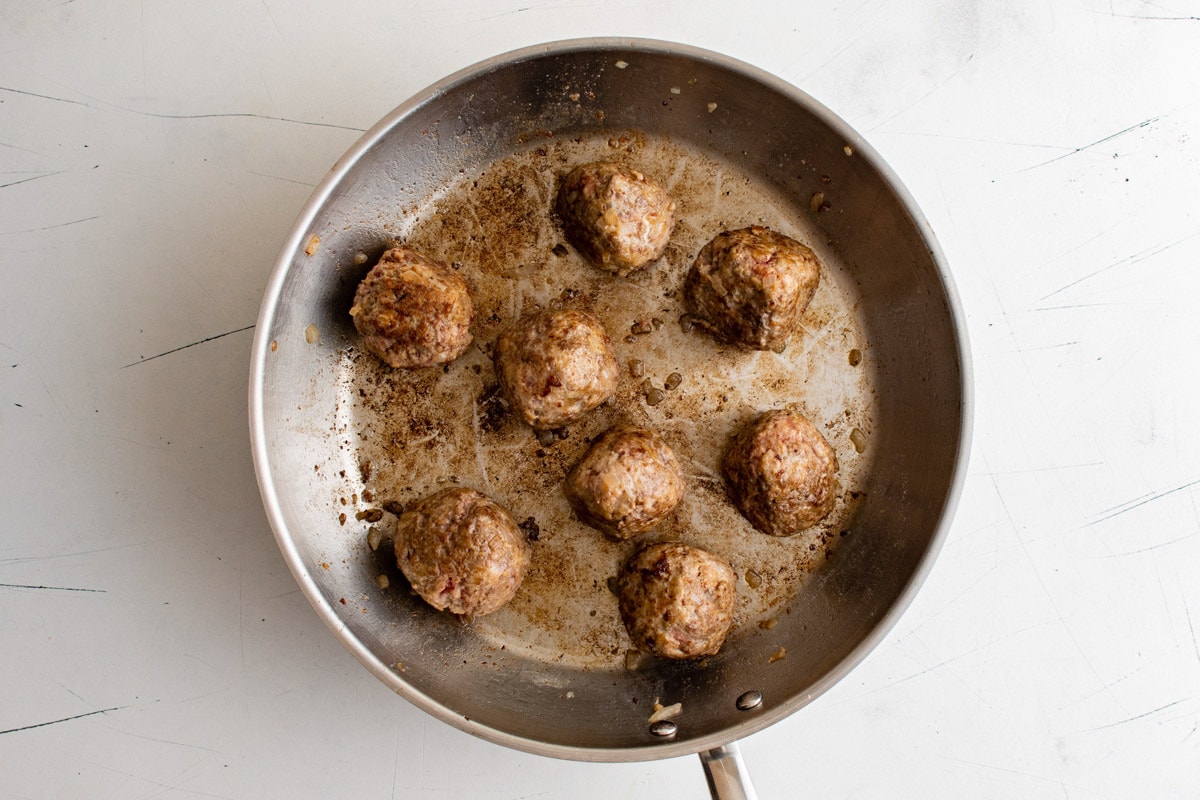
(531, 529)
(491, 408)
(540, 453)
(364, 468)
(476, 369)
(341, 519)
(826, 179)
(393, 507)
(370, 515)
(559, 250)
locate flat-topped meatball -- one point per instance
(676, 600)
(780, 473)
(751, 286)
(461, 551)
(555, 366)
(628, 480)
(617, 218)
(413, 311)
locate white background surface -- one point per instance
(152, 158)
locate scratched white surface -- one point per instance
(152, 157)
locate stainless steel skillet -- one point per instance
(461, 169)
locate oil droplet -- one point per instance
(312, 334)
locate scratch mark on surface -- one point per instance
(1129, 260)
(1163, 19)
(278, 31)
(156, 115)
(51, 227)
(1151, 547)
(1139, 716)
(7, 562)
(1138, 502)
(186, 346)
(64, 719)
(52, 588)
(1144, 123)
(976, 139)
(171, 741)
(244, 115)
(1079, 305)
(922, 98)
(45, 96)
(275, 178)
(1046, 591)
(34, 178)
(1187, 612)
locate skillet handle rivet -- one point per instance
(749, 700)
(664, 728)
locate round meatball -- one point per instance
(751, 286)
(617, 218)
(555, 366)
(413, 311)
(628, 480)
(780, 473)
(676, 601)
(461, 551)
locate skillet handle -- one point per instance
(726, 774)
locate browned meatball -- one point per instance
(752, 285)
(461, 551)
(628, 480)
(555, 366)
(676, 601)
(413, 311)
(617, 218)
(780, 472)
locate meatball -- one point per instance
(628, 480)
(676, 601)
(751, 286)
(616, 218)
(780, 473)
(413, 311)
(461, 551)
(555, 366)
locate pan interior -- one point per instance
(468, 175)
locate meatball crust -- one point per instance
(461, 551)
(617, 218)
(555, 366)
(751, 286)
(628, 480)
(676, 600)
(413, 311)
(780, 473)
